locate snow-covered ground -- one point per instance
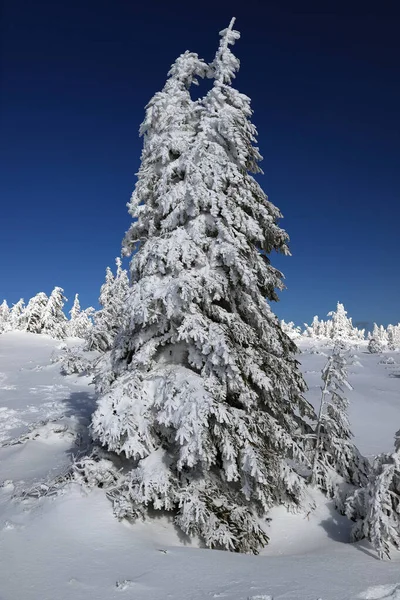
(70, 547)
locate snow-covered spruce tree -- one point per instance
(108, 320)
(375, 332)
(375, 508)
(4, 316)
(316, 330)
(379, 333)
(320, 326)
(75, 310)
(74, 360)
(33, 315)
(99, 337)
(334, 452)
(293, 331)
(308, 331)
(325, 328)
(341, 324)
(393, 335)
(80, 323)
(316, 327)
(120, 287)
(359, 334)
(375, 346)
(54, 320)
(16, 319)
(383, 335)
(203, 393)
(329, 329)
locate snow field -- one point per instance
(71, 547)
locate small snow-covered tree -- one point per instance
(33, 315)
(74, 360)
(202, 391)
(4, 316)
(17, 315)
(375, 508)
(291, 329)
(335, 454)
(375, 346)
(80, 323)
(101, 335)
(53, 319)
(108, 320)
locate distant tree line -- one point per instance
(340, 327)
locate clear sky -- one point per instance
(325, 88)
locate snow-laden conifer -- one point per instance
(202, 390)
(316, 327)
(375, 507)
(74, 360)
(80, 323)
(75, 310)
(375, 346)
(4, 316)
(108, 320)
(335, 454)
(53, 319)
(16, 320)
(341, 324)
(393, 336)
(293, 331)
(34, 312)
(100, 336)
(383, 336)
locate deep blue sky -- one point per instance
(325, 88)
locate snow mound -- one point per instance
(381, 592)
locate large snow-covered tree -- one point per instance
(53, 319)
(108, 320)
(202, 391)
